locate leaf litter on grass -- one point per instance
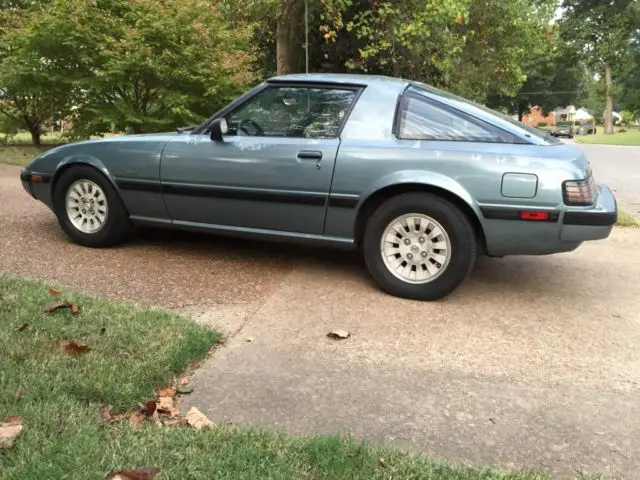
(135, 474)
(75, 309)
(10, 429)
(73, 348)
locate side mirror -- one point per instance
(218, 129)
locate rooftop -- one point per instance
(345, 78)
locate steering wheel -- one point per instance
(248, 121)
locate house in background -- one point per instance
(565, 114)
(536, 116)
(561, 114)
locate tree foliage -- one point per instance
(33, 90)
(554, 77)
(140, 65)
(147, 65)
(601, 32)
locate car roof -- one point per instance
(341, 78)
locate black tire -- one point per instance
(456, 226)
(117, 226)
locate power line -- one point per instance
(539, 93)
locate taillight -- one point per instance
(579, 192)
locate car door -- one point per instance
(272, 170)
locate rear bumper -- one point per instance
(593, 223)
(507, 234)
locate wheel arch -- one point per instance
(85, 161)
(376, 198)
(75, 161)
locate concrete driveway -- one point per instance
(533, 362)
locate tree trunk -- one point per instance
(35, 132)
(522, 109)
(608, 108)
(288, 53)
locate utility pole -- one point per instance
(306, 36)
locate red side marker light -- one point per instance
(538, 216)
(36, 178)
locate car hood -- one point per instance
(49, 160)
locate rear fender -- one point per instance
(421, 177)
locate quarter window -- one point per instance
(298, 112)
(422, 119)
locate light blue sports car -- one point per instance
(418, 178)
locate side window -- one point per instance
(292, 112)
(421, 119)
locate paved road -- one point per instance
(618, 167)
(532, 363)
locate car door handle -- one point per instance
(310, 155)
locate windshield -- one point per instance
(473, 105)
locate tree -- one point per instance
(286, 17)
(554, 77)
(144, 65)
(601, 31)
(629, 97)
(471, 47)
(32, 89)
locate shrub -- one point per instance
(542, 124)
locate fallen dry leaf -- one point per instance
(105, 413)
(75, 309)
(136, 419)
(136, 474)
(165, 406)
(20, 328)
(73, 348)
(339, 334)
(165, 403)
(53, 292)
(17, 394)
(173, 422)
(149, 408)
(184, 380)
(197, 419)
(10, 429)
(222, 341)
(382, 463)
(251, 339)
(166, 392)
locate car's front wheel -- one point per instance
(419, 246)
(89, 208)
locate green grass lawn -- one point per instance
(132, 352)
(18, 150)
(626, 220)
(630, 138)
(20, 155)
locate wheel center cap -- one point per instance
(415, 248)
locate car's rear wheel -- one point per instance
(419, 246)
(89, 209)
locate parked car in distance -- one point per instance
(563, 129)
(587, 128)
(419, 179)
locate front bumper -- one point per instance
(25, 179)
(32, 181)
(591, 223)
